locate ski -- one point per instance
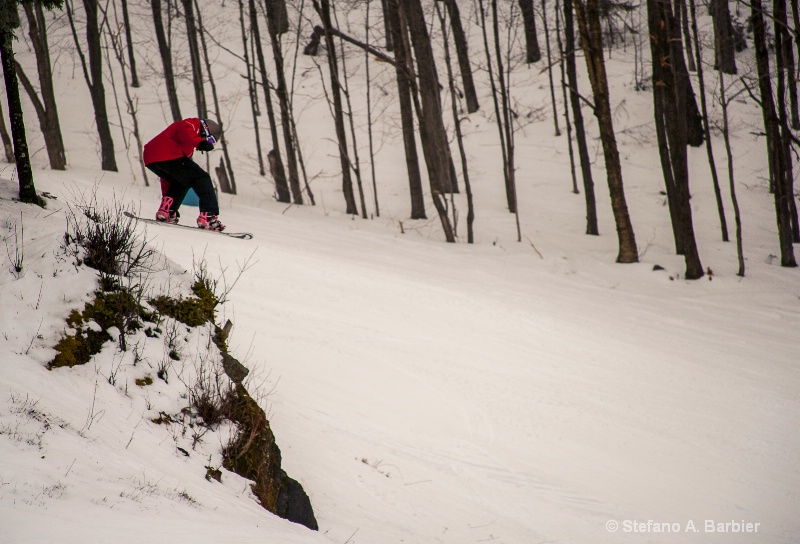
(239, 235)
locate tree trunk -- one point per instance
(781, 41)
(588, 15)
(668, 85)
(94, 79)
(251, 80)
(533, 52)
(324, 10)
(131, 57)
(577, 117)
(462, 52)
(194, 54)
(276, 10)
(680, 7)
(724, 51)
(27, 189)
(8, 147)
(772, 129)
(457, 125)
(47, 109)
(278, 16)
(166, 61)
(706, 128)
(431, 122)
(398, 29)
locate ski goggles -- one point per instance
(205, 133)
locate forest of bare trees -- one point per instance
(437, 52)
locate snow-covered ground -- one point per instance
(507, 392)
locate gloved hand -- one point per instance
(205, 145)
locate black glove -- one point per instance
(205, 145)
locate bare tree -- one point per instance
(577, 117)
(166, 60)
(588, 15)
(46, 108)
(533, 52)
(93, 74)
(129, 39)
(669, 103)
(772, 127)
(462, 53)
(324, 10)
(194, 55)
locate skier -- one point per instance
(169, 156)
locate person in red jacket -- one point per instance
(169, 156)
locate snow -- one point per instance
(420, 391)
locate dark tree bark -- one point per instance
(436, 148)
(772, 127)
(681, 8)
(462, 52)
(387, 28)
(457, 124)
(46, 108)
(724, 51)
(93, 74)
(706, 128)
(781, 41)
(324, 9)
(577, 117)
(669, 95)
(275, 11)
(27, 189)
(194, 55)
(533, 52)
(588, 15)
(228, 184)
(8, 146)
(398, 29)
(129, 39)
(251, 79)
(166, 61)
(278, 18)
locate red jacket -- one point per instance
(175, 142)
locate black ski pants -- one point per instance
(183, 174)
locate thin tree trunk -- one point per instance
(706, 128)
(561, 63)
(369, 116)
(229, 182)
(462, 52)
(772, 129)
(47, 110)
(251, 85)
(274, 156)
(511, 190)
(680, 7)
(588, 15)
(8, 147)
(731, 184)
(194, 55)
(166, 61)
(324, 10)
(550, 68)
(577, 116)
(131, 57)
(27, 189)
(781, 41)
(457, 125)
(398, 30)
(532, 50)
(437, 148)
(276, 11)
(725, 53)
(93, 74)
